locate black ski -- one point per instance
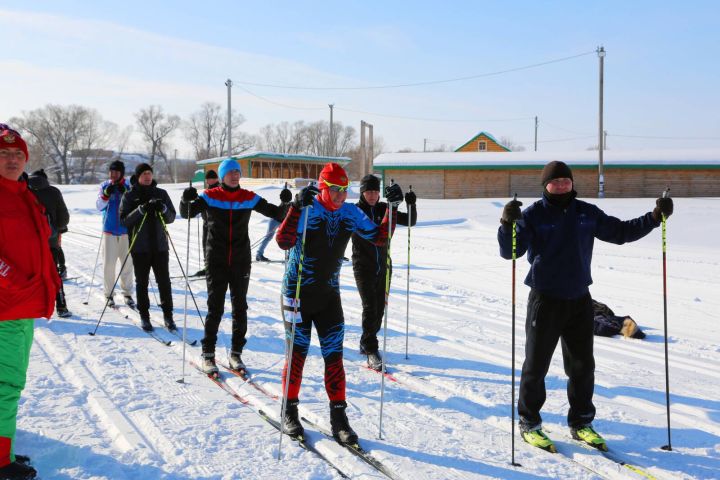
(178, 334)
(151, 333)
(190, 277)
(301, 441)
(356, 450)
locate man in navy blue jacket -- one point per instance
(558, 233)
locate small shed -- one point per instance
(689, 173)
(276, 166)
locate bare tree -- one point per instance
(155, 127)
(207, 131)
(92, 143)
(511, 145)
(56, 130)
(283, 137)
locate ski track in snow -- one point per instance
(110, 406)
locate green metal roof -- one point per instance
(290, 157)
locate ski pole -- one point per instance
(92, 279)
(187, 266)
(107, 301)
(388, 265)
(407, 287)
(289, 348)
(512, 366)
(668, 447)
(187, 282)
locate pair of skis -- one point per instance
(152, 333)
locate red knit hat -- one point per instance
(334, 174)
(9, 138)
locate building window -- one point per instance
(482, 146)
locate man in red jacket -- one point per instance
(28, 284)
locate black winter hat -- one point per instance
(211, 174)
(118, 166)
(370, 182)
(39, 173)
(555, 169)
(142, 167)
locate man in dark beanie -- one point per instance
(558, 232)
(144, 210)
(58, 217)
(115, 235)
(370, 265)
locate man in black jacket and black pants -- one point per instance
(143, 209)
(227, 255)
(58, 216)
(370, 265)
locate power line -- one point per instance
(417, 84)
(663, 137)
(425, 119)
(274, 102)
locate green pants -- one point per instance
(16, 338)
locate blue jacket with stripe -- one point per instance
(559, 243)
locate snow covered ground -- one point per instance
(110, 407)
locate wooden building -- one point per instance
(276, 166)
(693, 173)
(482, 142)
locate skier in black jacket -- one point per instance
(227, 255)
(370, 266)
(140, 210)
(58, 216)
(558, 233)
(211, 181)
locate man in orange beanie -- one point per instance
(330, 223)
(29, 282)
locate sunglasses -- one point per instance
(336, 188)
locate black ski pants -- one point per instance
(60, 296)
(159, 263)
(371, 286)
(219, 278)
(570, 321)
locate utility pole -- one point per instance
(536, 127)
(371, 147)
(363, 150)
(604, 139)
(332, 131)
(424, 144)
(601, 143)
(229, 85)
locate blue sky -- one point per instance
(662, 71)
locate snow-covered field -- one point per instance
(109, 406)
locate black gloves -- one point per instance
(285, 196)
(410, 198)
(663, 206)
(109, 189)
(190, 194)
(153, 205)
(305, 197)
(394, 195)
(120, 187)
(511, 213)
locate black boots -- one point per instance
(170, 323)
(145, 323)
(341, 429)
(375, 361)
(291, 421)
(17, 471)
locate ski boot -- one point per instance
(588, 435)
(17, 471)
(208, 364)
(374, 361)
(170, 323)
(291, 421)
(63, 312)
(261, 258)
(145, 323)
(130, 302)
(110, 302)
(537, 438)
(24, 459)
(62, 271)
(236, 362)
(341, 430)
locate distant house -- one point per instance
(689, 173)
(482, 142)
(276, 166)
